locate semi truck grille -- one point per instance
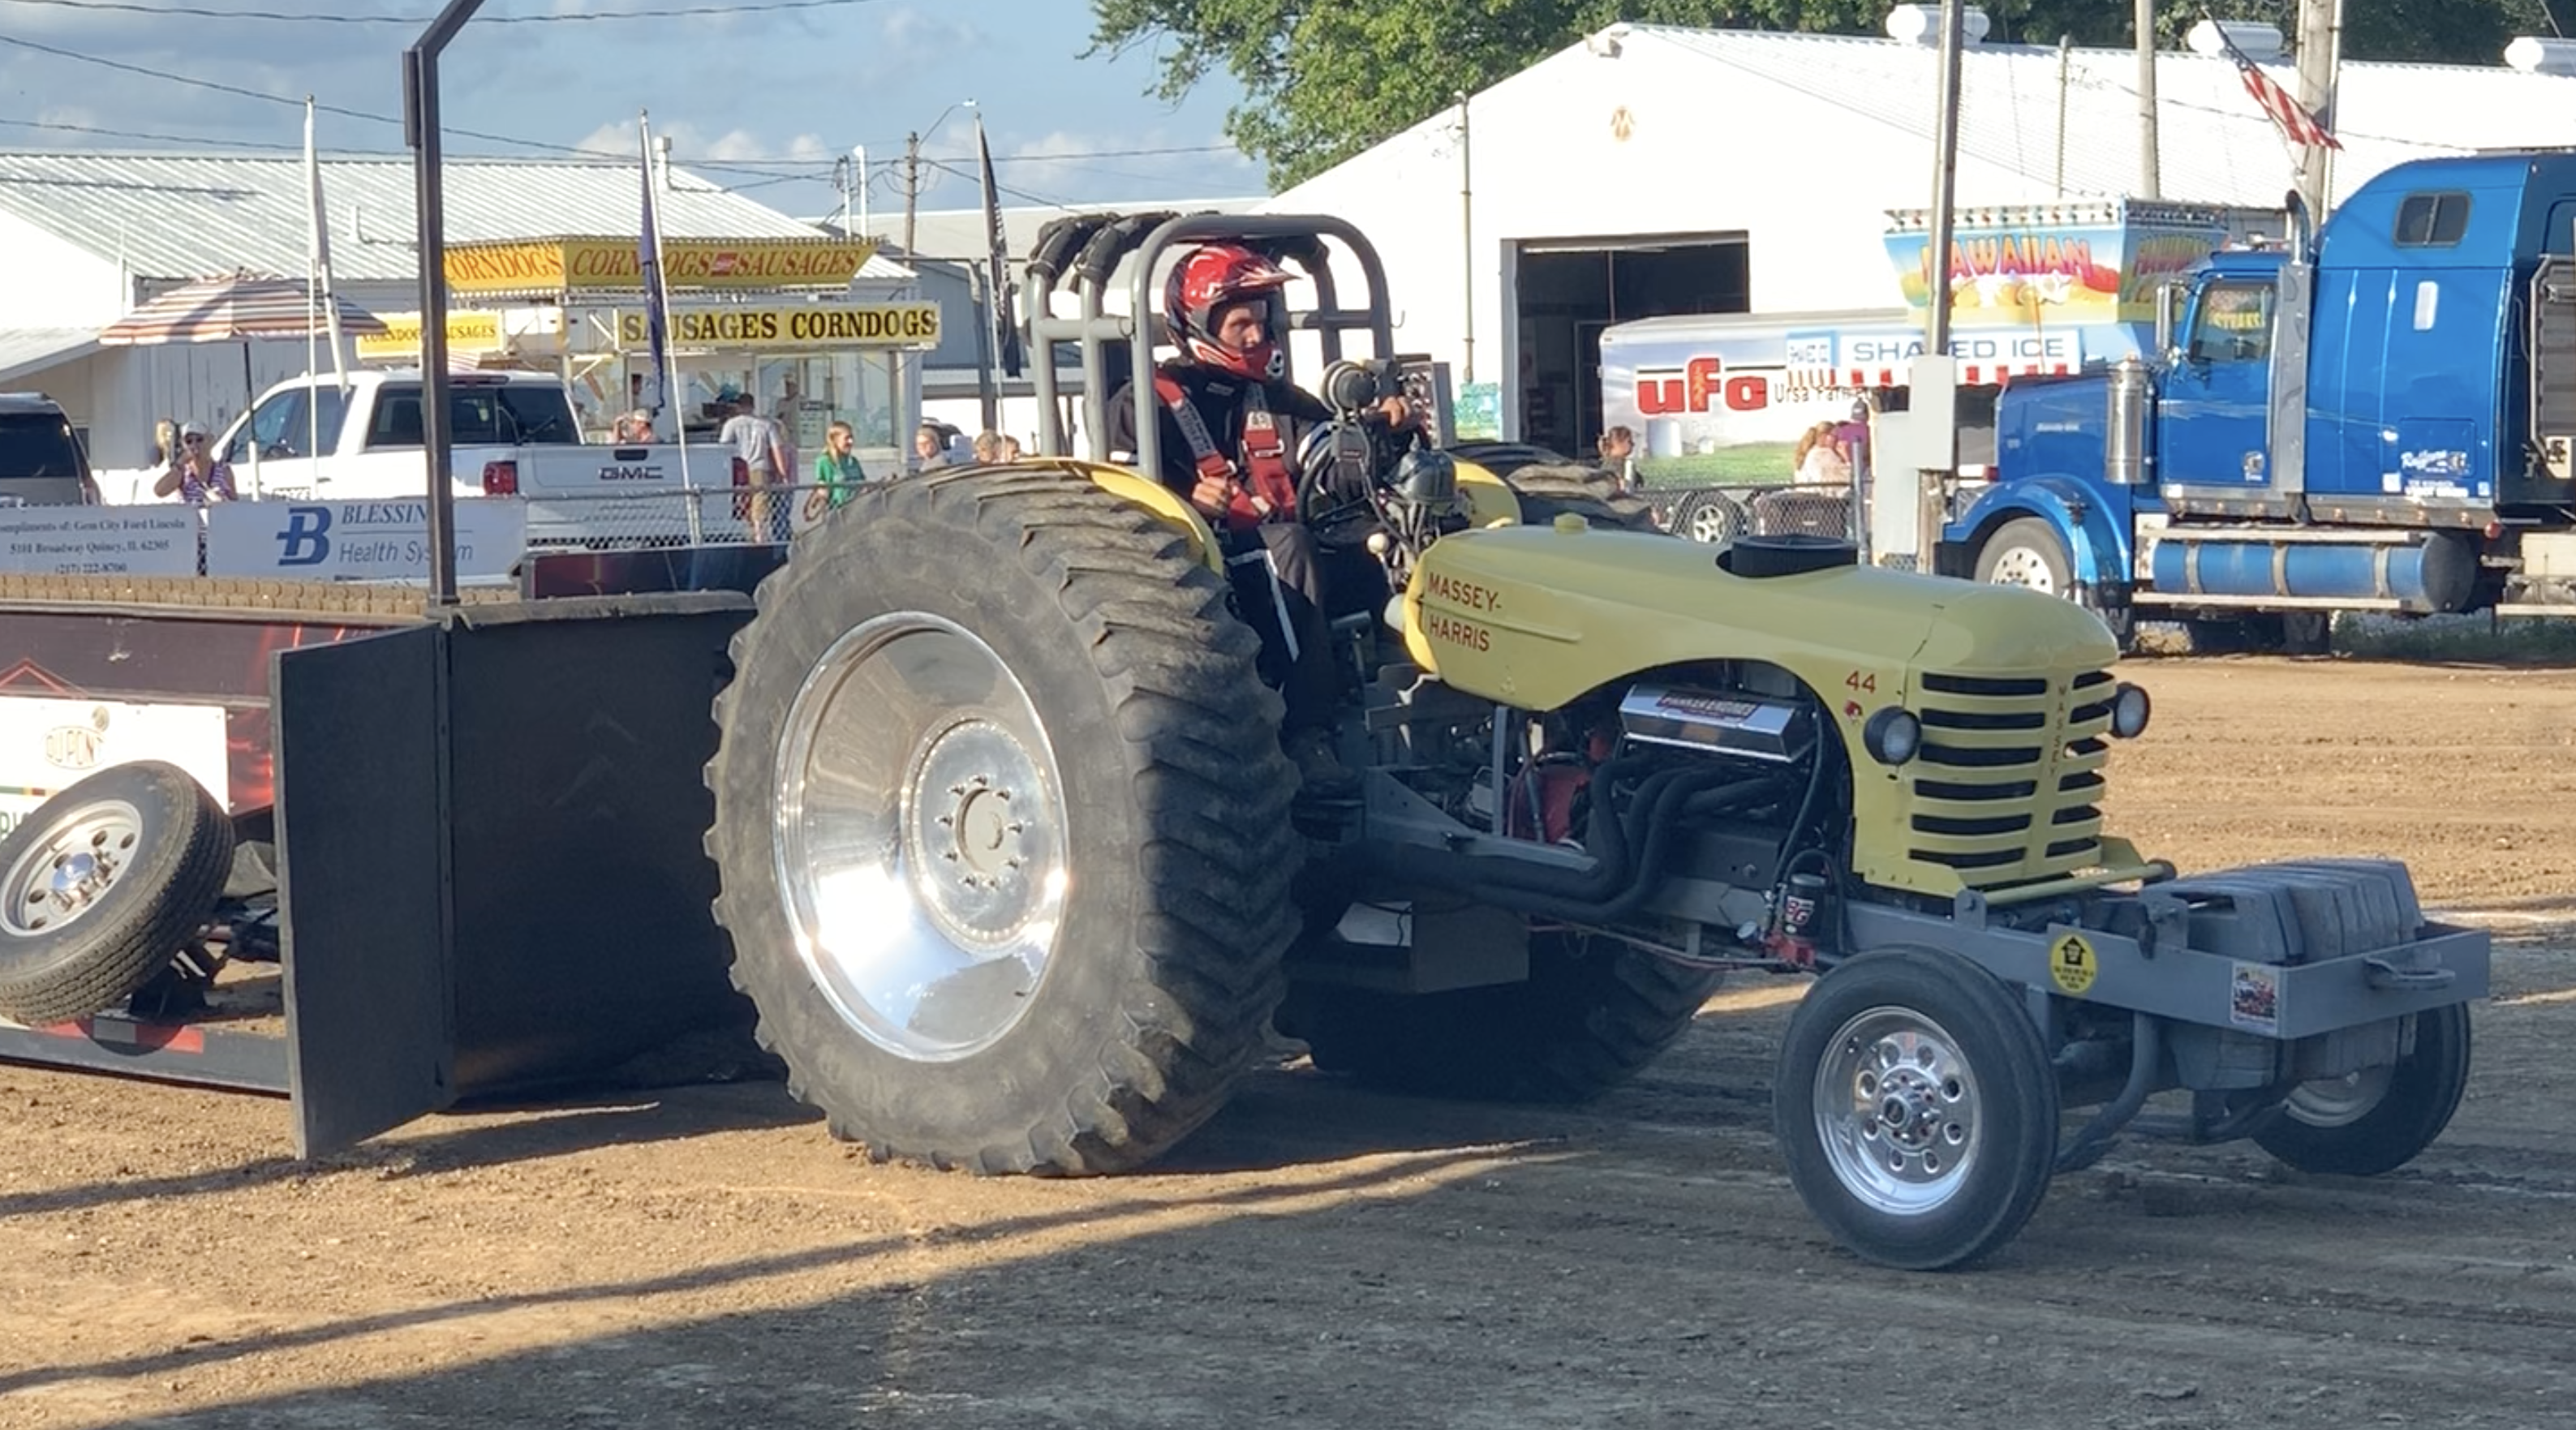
(2003, 790)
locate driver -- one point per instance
(1229, 426)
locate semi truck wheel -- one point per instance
(2378, 1119)
(2026, 552)
(1002, 825)
(101, 886)
(1916, 1109)
(1586, 1020)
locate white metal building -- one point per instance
(1653, 170)
(85, 236)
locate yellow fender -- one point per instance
(1158, 501)
(1488, 498)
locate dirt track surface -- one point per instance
(707, 1257)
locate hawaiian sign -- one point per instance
(2051, 265)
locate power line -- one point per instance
(314, 17)
(137, 134)
(239, 92)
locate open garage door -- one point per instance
(1566, 290)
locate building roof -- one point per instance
(2213, 145)
(176, 216)
(32, 350)
(959, 235)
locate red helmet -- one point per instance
(1208, 278)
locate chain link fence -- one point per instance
(745, 516)
(703, 516)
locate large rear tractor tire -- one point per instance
(1002, 824)
(1916, 1108)
(1590, 1016)
(1546, 492)
(2378, 1119)
(102, 885)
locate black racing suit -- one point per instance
(1277, 577)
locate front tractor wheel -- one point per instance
(1001, 820)
(1916, 1108)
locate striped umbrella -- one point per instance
(233, 309)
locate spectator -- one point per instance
(988, 448)
(633, 427)
(1618, 448)
(1819, 458)
(1010, 448)
(789, 409)
(837, 469)
(930, 446)
(197, 476)
(755, 440)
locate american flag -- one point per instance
(2295, 123)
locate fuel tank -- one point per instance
(2436, 572)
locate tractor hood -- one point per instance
(1535, 616)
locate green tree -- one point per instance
(1325, 79)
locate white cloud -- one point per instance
(688, 143)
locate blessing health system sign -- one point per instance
(360, 540)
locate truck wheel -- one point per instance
(1002, 825)
(1546, 491)
(1585, 1021)
(1916, 1108)
(2378, 1119)
(2026, 552)
(104, 884)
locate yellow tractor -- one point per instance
(1018, 877)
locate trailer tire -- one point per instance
(2378, 1120)
(1585, 1021)
(1547, 491)
(1001, 821)
(1711, 517)
(1975, 1137)
(159, 849)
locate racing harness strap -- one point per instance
(1271, 494)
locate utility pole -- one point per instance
(2150, 179)
(911, 186)
(2320, 58)
(1945, 181)
(1467, 236)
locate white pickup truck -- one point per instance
(510, 434)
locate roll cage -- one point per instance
(1083, 251)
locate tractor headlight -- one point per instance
(1892, 736)
(2129, 710)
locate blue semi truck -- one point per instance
(2373, 416)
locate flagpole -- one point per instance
(312, 263)
(657, 331)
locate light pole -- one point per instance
(912, 169)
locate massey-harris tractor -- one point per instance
(1016, 873)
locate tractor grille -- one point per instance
(2004, 789)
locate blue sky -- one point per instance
(760, 98)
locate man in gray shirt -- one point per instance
(755, 439)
